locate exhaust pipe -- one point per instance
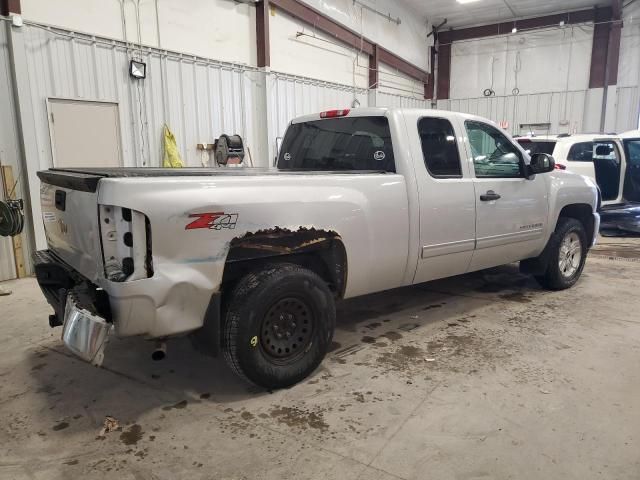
(160, 351)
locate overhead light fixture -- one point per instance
(464, 2)
(137, 69)
(514, 30)
(562, 23)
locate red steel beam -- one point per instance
(444, 71)
(262, 33)
(615, 34)
(581, 16)
(10, 6)
(374, 67)
(605, 51)
(323, 23)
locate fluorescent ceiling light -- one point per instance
(463, 2)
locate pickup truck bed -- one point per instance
(86, 179)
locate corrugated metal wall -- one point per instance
(567, 112)
(9, 149)
(386, 99)
(197, 98)
(627, 108)
(290, 96)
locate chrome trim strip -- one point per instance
(459, 246)
(506, 238)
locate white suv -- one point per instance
(597, 156)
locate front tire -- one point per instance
(567, 255)
(278, 325)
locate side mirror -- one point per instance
(541, 163)
(603, 150)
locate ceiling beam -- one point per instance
(503, 28)
(321, 22)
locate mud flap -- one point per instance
(539, 264)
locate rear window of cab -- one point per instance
(348, 143)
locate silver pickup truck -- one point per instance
(251, 262)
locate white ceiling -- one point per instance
(482, 12)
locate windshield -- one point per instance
(352, 143)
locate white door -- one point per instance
(610, 169)
(579, 159)
(446, 195)
(84, 134)
(511, 210)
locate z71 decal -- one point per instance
(213, 221)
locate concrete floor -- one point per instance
(482, 376)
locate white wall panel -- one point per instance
(629, 67)
(628, 109)
(290, 96)
(563, 110)
(567, 112)
(314, 54)
(408, 40)
(401, 101)
(221, 29)
(534, 62)
(197, 98)
(10, 155)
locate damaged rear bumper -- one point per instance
(84, 332)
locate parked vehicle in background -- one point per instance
(600, 157)
(253, 260)
(631, 144)
(625, 218)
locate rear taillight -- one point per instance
(126, 244)
(335, 113)
(560, 166)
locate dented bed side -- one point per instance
(195, 222)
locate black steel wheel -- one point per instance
(287, 329)
(278, 324)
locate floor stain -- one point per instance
(247, 416)
(132, 436)
(177, 406)
(298, 418)
(519, 297)
(393, 336)
(71, 462)
(60, 426)
(368, 339)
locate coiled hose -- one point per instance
(11, 218)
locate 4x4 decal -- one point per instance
(213, 221)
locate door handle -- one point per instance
(490, 195)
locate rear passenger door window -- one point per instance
(581, 152)
(494, 156)
(439, 148)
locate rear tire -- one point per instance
(278, 325)
(567, 250)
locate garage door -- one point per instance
(84, 134)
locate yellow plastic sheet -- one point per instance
(172, 157)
